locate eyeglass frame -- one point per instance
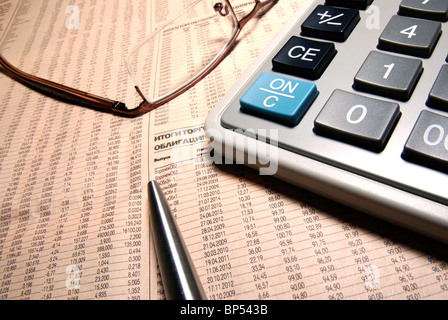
(85, 99)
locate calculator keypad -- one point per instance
(354, 119)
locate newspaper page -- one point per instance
(74, 217)
(254, 237)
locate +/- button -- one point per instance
(330, 23)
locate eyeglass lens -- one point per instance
(176, 53)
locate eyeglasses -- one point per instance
(146, 65)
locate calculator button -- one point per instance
(278, 98)
(438, 97)
(304, 58)
(357, 4)
(428, 142)
(389, 75)
(431, 10)
(330, 23)
(358, 120)
(411, 36)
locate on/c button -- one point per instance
(280, 99)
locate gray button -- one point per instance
(358, 120)
(429, 9)
(357, 4)
(428, 142)
(438, 97)
(411, 36)
(389, 75)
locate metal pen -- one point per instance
(180, 280)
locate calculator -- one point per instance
(350, 101)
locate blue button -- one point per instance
(279, 99)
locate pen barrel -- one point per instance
(180, 280)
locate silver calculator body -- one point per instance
(378, 182)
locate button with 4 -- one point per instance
(410, 36)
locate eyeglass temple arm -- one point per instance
(257, 7)
(71, 95)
